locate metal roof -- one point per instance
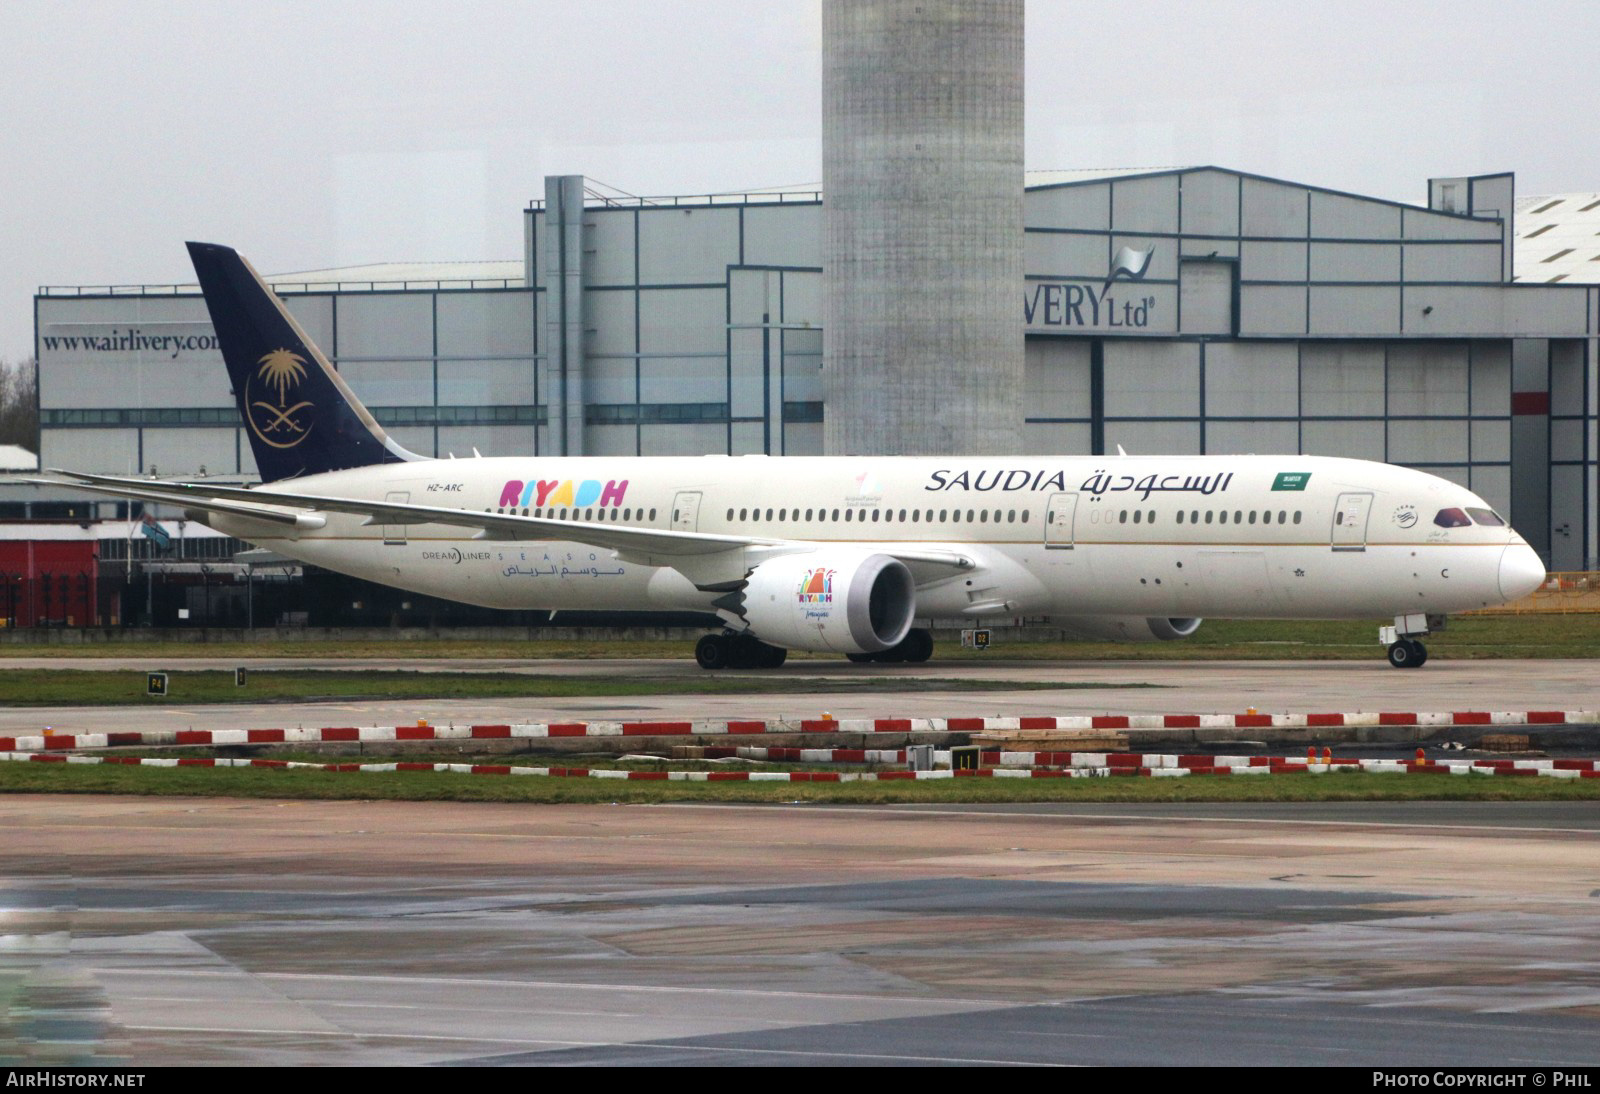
(14, 457)
(1558, 238)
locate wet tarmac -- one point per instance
(202, 931)
(1180, 687)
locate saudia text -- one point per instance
(1098, 483)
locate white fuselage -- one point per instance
(1172, 536)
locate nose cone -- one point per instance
(1521, 572)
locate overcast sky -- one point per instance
(319, 134)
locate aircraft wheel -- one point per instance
(918, 646)
(744, 652)
(712, 652)
(772, 656)
(861, 658)
(1407, 653)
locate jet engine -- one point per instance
(838, 601)
(1109, 628)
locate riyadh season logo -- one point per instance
(817, 586)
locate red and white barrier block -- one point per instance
(1116, 764)
(46, 740)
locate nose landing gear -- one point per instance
(1408, 653)
(1405, 651)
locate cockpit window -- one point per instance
(1452, 518)
(1486, 516)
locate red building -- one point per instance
(52, 579)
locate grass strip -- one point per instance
(535, 790)
(1573, 635)
(88, 687)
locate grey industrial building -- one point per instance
(1186, 310)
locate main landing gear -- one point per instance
(916, 647)
(737, 651)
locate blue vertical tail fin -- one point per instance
(298, 413)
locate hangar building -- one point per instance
(1184, 310)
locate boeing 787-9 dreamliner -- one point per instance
(844, 554)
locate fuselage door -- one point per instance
(686, 511)
(394, 535)
(1060, 512)
(1350, 522)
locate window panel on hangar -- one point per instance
(1056, 382)
(1152, 378)
(1253, 379)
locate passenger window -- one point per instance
(1024, 516)
(902, 515)
(983, 516)
(1452, 518)
(836, 514)
(1122, 517)
(969, 516)
(943, 516)
(1180, 516)
(874, 516)
(955, 516)
(1252, 516)
(1297, 516)
(1283, 517)
(915, 515)
(1208, 516)
(783, 514)
(1150, 518)
(1238, 516)
(769, 514)
(652, 514)
(848, 518)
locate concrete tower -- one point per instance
(922, 200)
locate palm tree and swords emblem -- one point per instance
(280, 370)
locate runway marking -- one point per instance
(841, 1055)
(655, 1046)
(375, 1035)
(965, 1003)
(1000, 814)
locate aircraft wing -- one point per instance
(705, 558)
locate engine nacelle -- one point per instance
(838, 601)
(1109, 628)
